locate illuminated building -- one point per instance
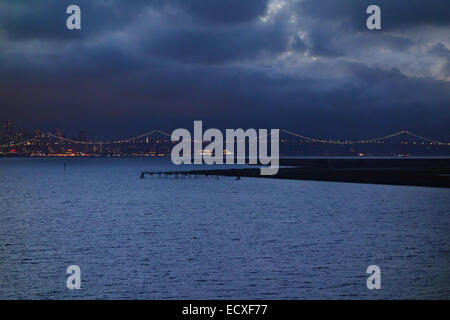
(9, 127)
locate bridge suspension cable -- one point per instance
(426, 139)
(403, 132)
(103, 142)
(306, 138)
(193, 140)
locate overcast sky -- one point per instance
(310, 66)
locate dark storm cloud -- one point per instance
(229, 11)
(217, 46)
(441, 51)
(43, 18)
(309, 66)
(395, 13)
(322, 43)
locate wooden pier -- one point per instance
(194, 174)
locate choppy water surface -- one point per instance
(207, 238)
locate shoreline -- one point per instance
(406, 172)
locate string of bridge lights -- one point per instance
(402, 132)
(306, 138)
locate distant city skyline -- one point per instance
(8, 128)
(15, 142)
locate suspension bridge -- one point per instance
(300, 137)
(418, 172)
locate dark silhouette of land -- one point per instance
(412, 172)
